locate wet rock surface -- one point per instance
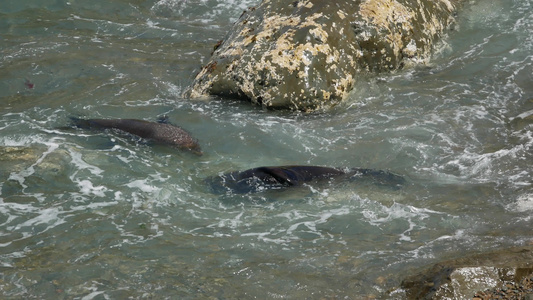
(16, 158)
(307, 54)
(511, 290)
(504, 274)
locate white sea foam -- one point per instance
(143, 185)
(232, 223)
(413, 216)
(94, 292)
(483, 12)
(47, 216)
(448, 120)
(80, 164)
(88, 188)
(524, 115)
(481, 165)
(524, 202)
(298, 222)
(29, 220)
(216, 10)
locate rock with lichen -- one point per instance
(307, 54)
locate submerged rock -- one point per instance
(307, 54)
(16, 159)
(465, 277)
(27, 169)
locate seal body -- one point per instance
(277, 177)
(160, 133)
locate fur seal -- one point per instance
(160, 133)
(276, 177)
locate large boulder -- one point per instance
(307, 54)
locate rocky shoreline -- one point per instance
(502, 274)
(511, 290)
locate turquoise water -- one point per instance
(92, 215)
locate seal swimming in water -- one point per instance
(258, 179)
(160, 133)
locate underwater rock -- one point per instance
(16, 159)
(265, 178)
(464, 277)
(160, 133)
(307, 54)
(29, 168)
(17, 153)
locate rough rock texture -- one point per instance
(465, 277)
(512, 290)
(307, 54)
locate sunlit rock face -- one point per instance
(307, 54)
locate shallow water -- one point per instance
(97, 215)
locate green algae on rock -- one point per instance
(307, 54)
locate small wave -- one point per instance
(28, 220)
(524, 203)
(412, 217)
(219, 10)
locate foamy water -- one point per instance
(97, 215)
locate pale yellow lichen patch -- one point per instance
(422, 12)
(448, 4)
(272, 24)
(286, 54)
(384, 12)
(200, 90)
(326, 95)
(268, 28)
(332, 58)
(343, 85)
(341, 14)
(411, 49)
(306, 4)
(313, 49)
(395, 40)
(388, 14)
(310, 21)
(319, 34)
(434, 26)
(287, 57)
